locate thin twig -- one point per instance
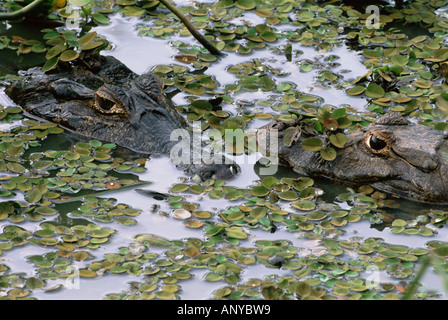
(210, 47)
(20, 13)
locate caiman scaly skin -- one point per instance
(105, 100)
(392, 155)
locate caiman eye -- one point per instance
(104, 103)
(107, 102)
(376, 143)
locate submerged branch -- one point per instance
(20, 13)
(210, 47)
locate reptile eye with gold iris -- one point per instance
(376, 143)
(106, 102)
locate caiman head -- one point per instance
(409, 160)
(392, 155)
(113, 104)
(133, 114)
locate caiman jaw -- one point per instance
(107, 102)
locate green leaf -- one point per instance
(268, 182)
(213, 230)
(246, 4)
(101, 233)
(236, 232)
(34, 283)
(154, 241)
(258, 212)
(268, 36)
(38, 48)
(338, 140)
(101, 19)
(15, 167)
(289, 195)
(33, 196)
(133, 11)
(213, 277)
(6, 208)
(304, 67)
(328, 153)
(400, 60)
(355, 90)
(259, 191)
(69, 55)
(312, 144)
(375, 91)
(284, 86)
(46, 211)
(181, 187)
(79, 3)
(50, 64)
(303, 289)
(338, 113)
(88, 37)
(304, 205)
(91, 45)
(441, 251)
(441, 54)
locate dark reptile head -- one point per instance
(392, 155)
(133, 113)
(113, 105)
(409, 160)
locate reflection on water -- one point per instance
(138, 53)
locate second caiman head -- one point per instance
(392, 155)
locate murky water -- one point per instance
(141, 54)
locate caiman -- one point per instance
(394, 156)
(106, 101)
(100, 98)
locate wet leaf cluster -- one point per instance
(404, 71)
(17, 285)
(34, 183)
(331, 267)
(65, 46)
(106, 210)
(326, 271)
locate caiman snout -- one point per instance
(424, 161)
